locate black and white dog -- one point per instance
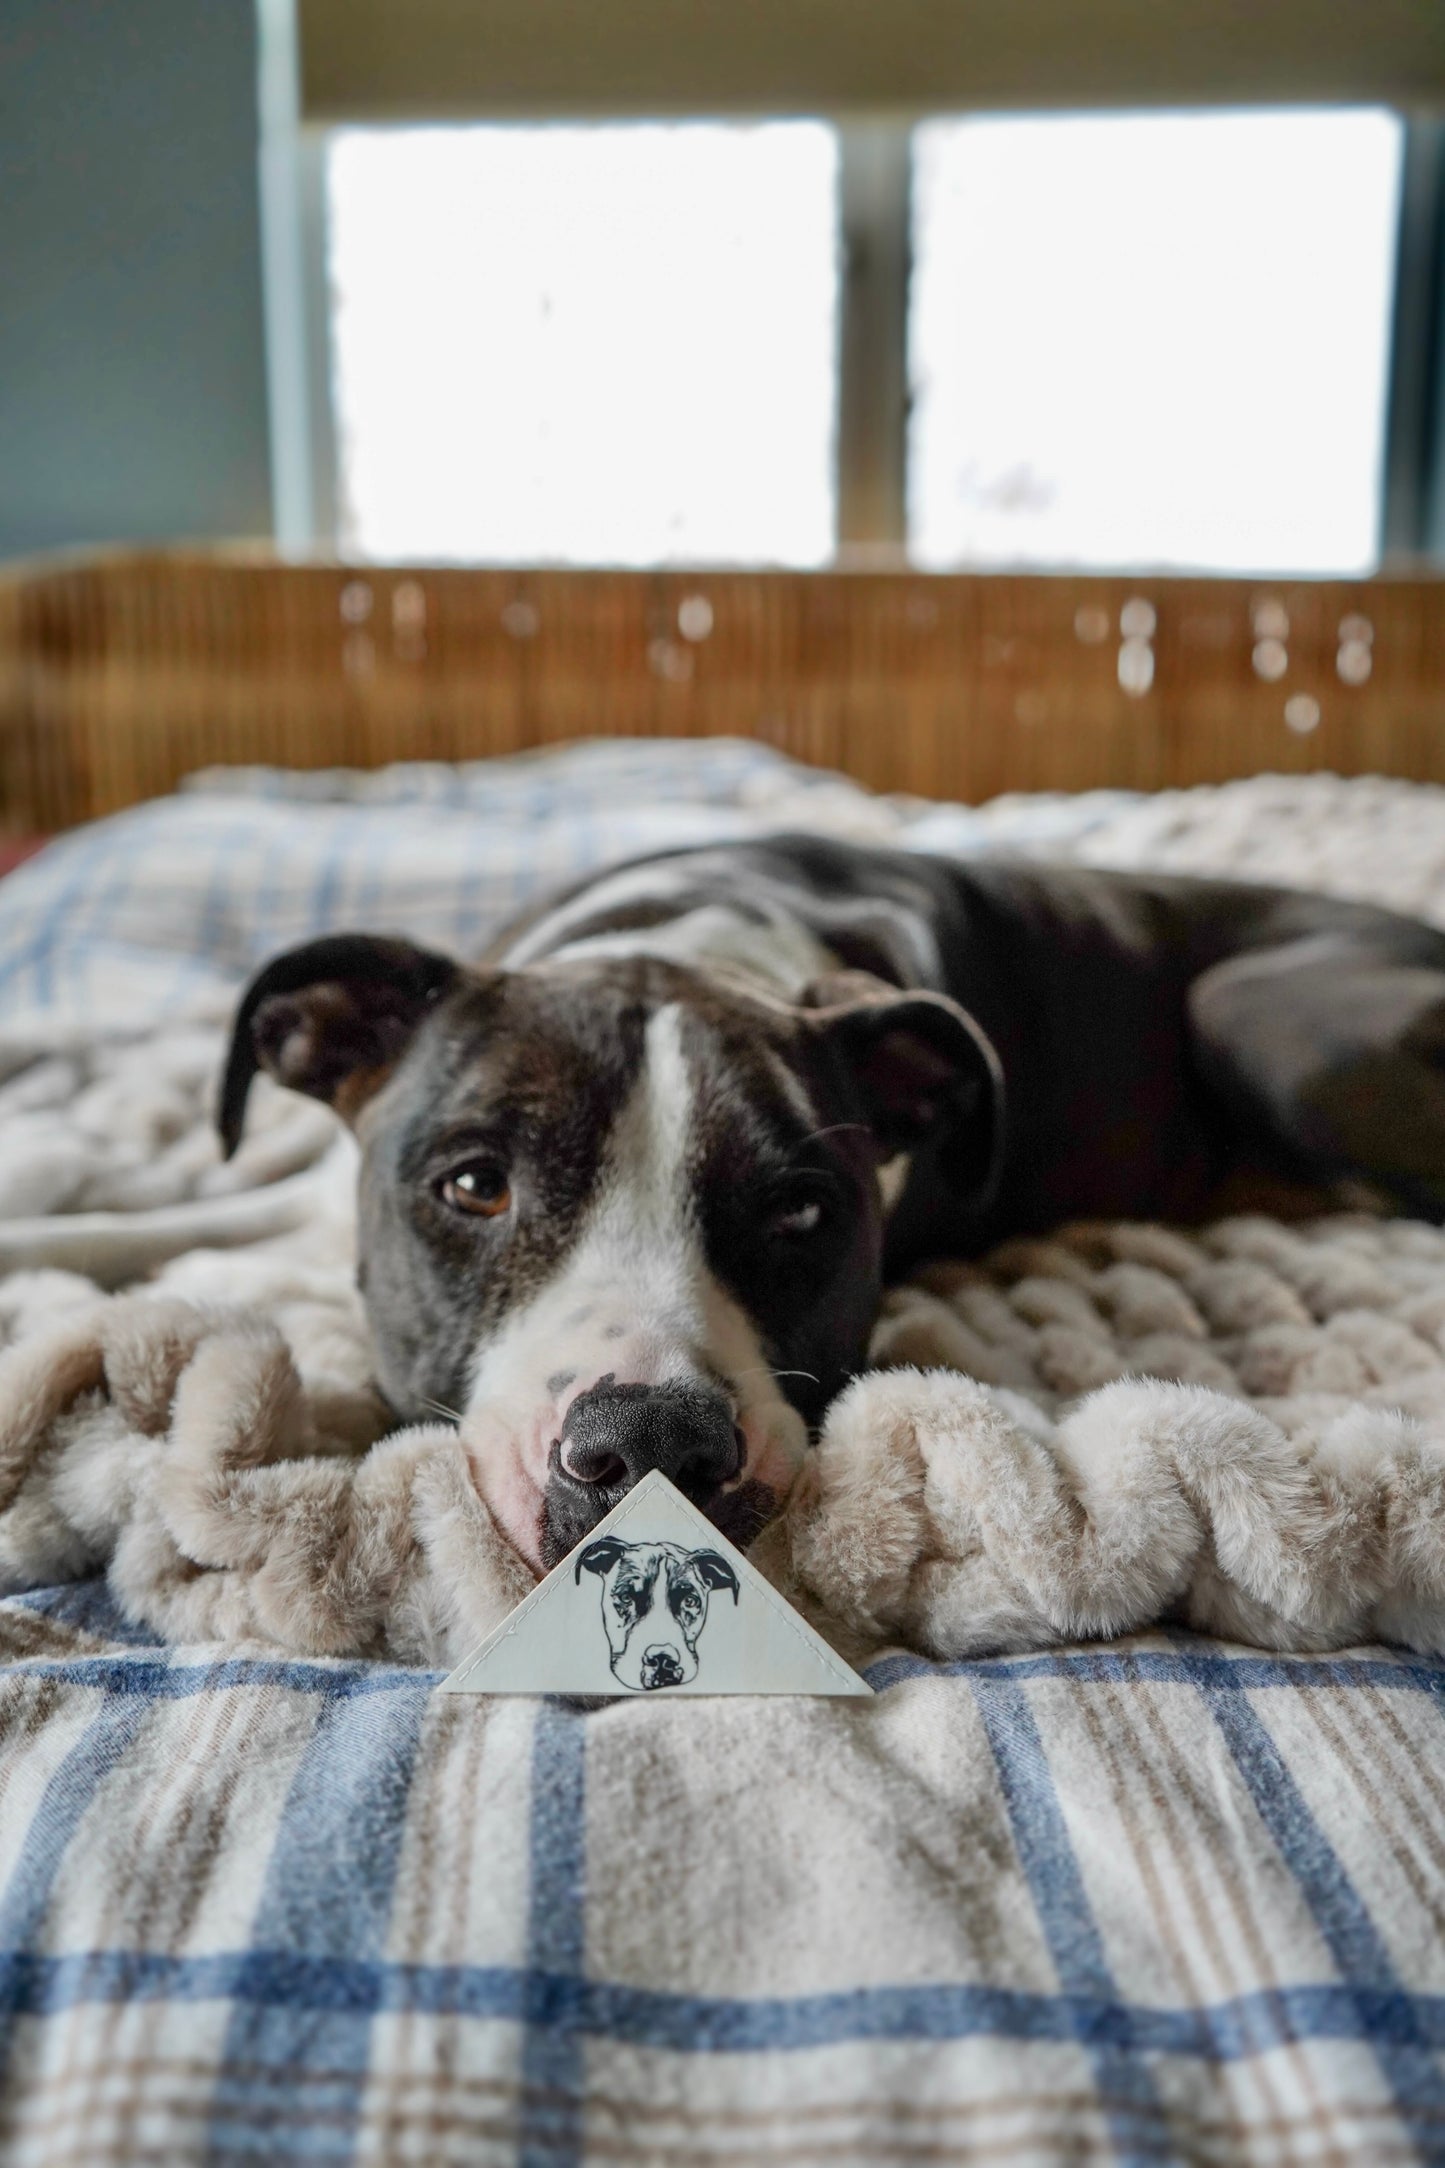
(631, 1185)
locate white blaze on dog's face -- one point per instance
(634, 1303)
(654, 1607)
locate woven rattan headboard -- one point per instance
(119, 674)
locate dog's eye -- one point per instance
(797, 1212)
(479, 1187)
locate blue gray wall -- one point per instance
(132, 367)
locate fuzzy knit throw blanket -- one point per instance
(1242, 1429)
(1244, 1432)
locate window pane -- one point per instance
(589, 344)
(1152, 340)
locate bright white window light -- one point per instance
(606, 344)
(1156, 340)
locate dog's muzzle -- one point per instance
(615, 1434)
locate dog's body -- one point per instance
(631, 1186)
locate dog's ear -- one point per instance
(330, 1019)
(923, 1066)
(600, 1557)
(715, 1570)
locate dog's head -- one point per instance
(654, 1607)
(615, 1214)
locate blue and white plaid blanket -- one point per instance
(162, 910)
(1157, 1901)
(1162, 1900)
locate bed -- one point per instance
(1156, 1897)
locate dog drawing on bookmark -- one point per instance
(655, 1600)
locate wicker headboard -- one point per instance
(120, 673)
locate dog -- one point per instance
(632, 1183)
(665, 1590)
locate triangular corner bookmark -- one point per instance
(654, 1601)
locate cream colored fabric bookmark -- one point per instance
(654, 1601)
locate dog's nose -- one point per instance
(615, 1434)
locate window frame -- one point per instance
(370, 60)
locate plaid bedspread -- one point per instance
(1162, 1900)
(164, 910)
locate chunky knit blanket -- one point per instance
(1313, 1349)
(1058, 1488)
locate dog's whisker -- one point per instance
(439, 1407)
(767, 1370)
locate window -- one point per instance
(1152, 340)
(606, 344)
(1132, 340)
